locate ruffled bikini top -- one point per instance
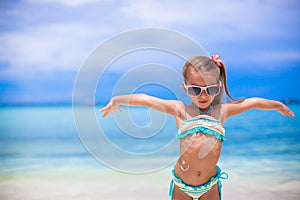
(204, 124)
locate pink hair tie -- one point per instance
(217, 60)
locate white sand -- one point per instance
(109, 185)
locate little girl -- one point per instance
(200, 125)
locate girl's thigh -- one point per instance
(179, 195)
(212, 194)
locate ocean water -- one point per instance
(35, 139)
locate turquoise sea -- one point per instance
(37, 137)
(40, 138)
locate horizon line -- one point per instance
(70, 103)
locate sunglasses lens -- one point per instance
(194, 91)
(213, 90)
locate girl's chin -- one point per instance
(203, 104)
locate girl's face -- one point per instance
(194, 77)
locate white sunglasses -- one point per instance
(195, 90)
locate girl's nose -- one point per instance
(203, 94)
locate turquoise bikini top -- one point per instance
(204, 124)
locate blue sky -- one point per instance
(44, 42)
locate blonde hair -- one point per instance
(207, 65)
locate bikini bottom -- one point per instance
(197, 191)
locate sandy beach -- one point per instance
(109, 184)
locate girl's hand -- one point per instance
(284, 110)
(110, 107)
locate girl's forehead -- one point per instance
(194, 77)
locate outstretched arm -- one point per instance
(241, 106)
(171, 107)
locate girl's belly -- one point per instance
(199, 156)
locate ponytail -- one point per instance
(220, 64)
(224, 80)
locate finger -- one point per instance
(103, 109)
(291, 114)
(119, 109)
(104, 114)
(284, 113)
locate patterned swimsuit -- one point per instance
(208, 126)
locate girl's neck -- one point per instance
(201, 111)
